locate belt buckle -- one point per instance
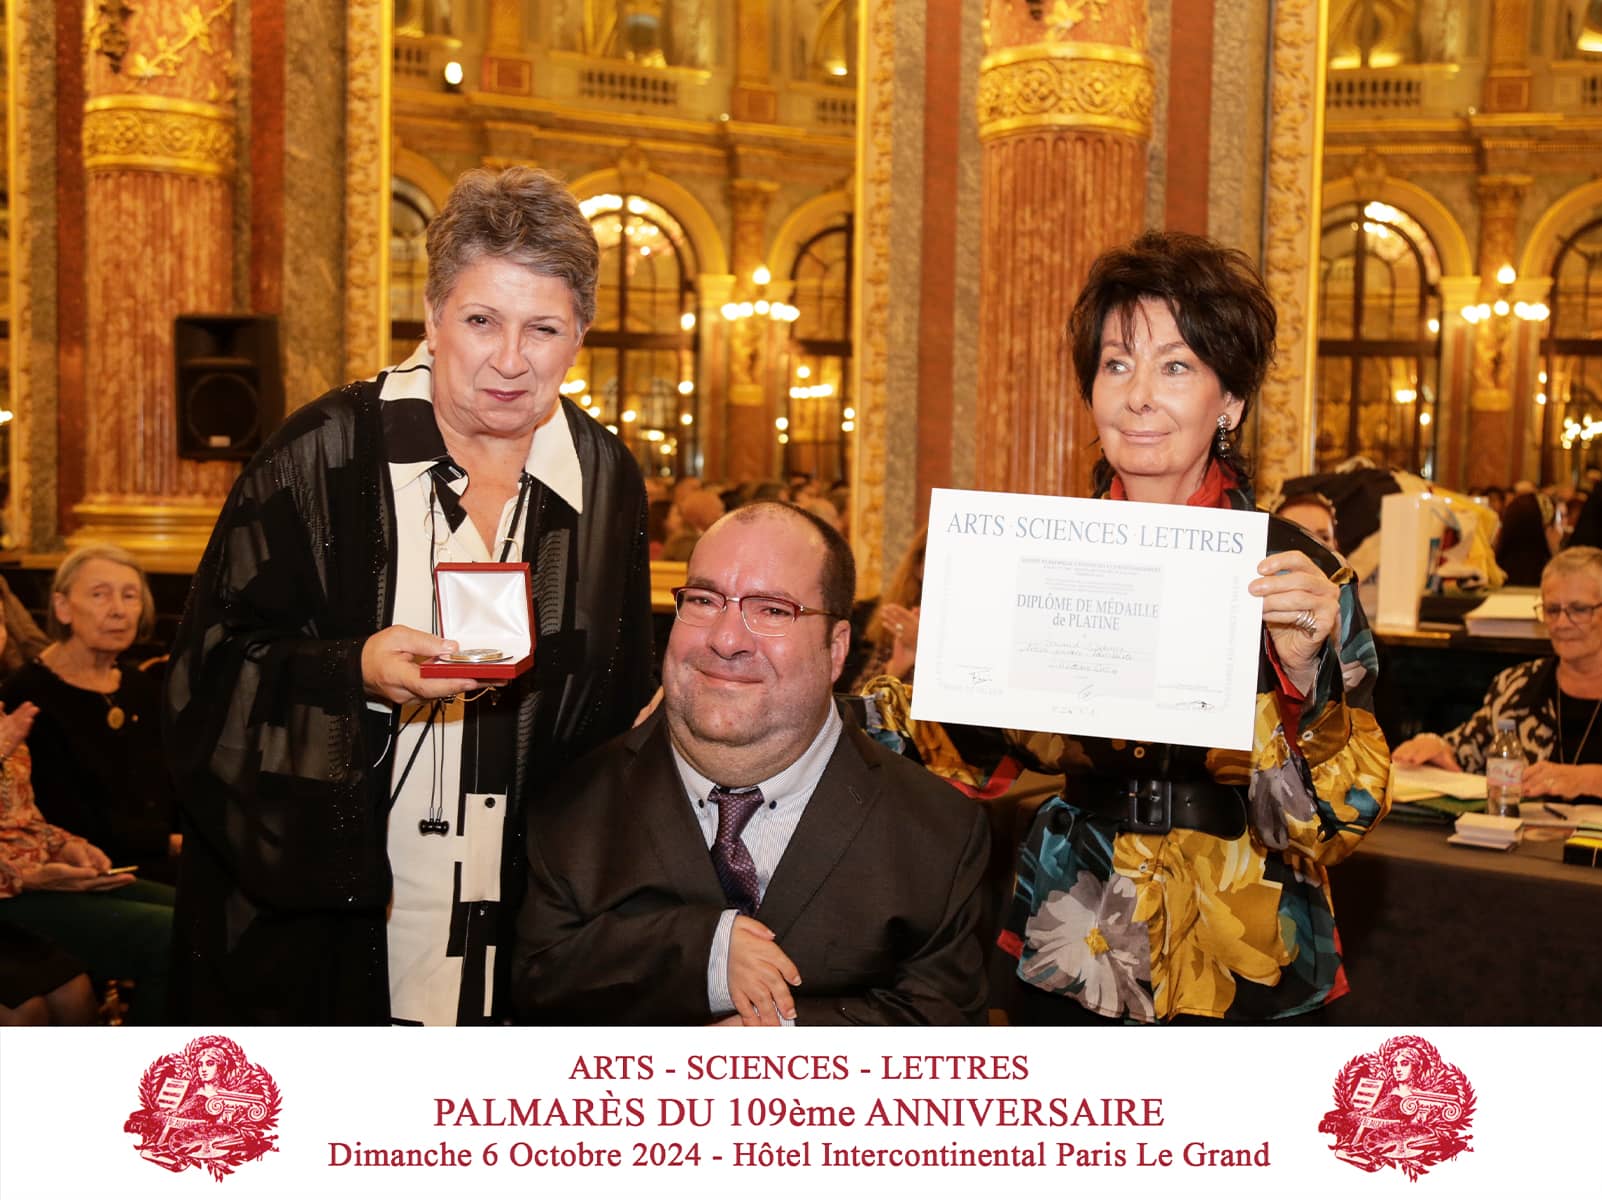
(1151, 806)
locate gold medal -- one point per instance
(115, 716)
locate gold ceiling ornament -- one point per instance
(1083, 85)
(158, 133)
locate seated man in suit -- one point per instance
(744, 855)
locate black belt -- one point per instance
(1158, 805)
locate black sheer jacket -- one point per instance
(282, 766)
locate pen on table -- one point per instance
(1555, 811)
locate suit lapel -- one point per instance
(656, 795)
(834, 816)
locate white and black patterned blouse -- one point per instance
(1528, 693)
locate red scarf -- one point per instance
(1216, 480)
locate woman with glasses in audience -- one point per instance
(1555, 702)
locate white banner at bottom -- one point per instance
(599, 1113)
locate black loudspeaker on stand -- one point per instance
(230, 384)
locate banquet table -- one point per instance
(1437, 934)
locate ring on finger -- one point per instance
(1306, 623)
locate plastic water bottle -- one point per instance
(1504, 772)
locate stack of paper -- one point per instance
(1487, 833)
(1425, 782)
(1509, 612)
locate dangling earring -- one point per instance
(1223, 435)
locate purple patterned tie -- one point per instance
(730, 858)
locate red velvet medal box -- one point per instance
(484, 606)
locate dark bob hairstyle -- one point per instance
(1218, 301)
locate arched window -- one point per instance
(1571, 379)
(638, 367)
(409, 215)
(1379, 326)
(819, 407)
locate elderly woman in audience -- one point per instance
(1177, 881)
(62, 910)
(1553, 701)
(98, 765)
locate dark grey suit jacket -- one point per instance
(876, 899)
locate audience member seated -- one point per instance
(98, 766)
(1522, 549)
(693, 515)
(24, 639)
(60, 907)
(824, 511)
(656, 526)
(1314, 513)
(892, 633)
(1553, 701)
(40, 983)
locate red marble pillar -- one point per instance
(1065, 102)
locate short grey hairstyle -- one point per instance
(75, 562)
(1574, 561)
(519, 214)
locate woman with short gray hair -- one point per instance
(1554, 702)
(355, 830)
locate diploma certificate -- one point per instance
(1098, 617)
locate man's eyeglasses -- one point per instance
(1578, 613)
(765, 616)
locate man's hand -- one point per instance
(389, 666)
(758, 973)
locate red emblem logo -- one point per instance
(206, 1106)
(1401, 1107)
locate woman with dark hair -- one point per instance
(892, 632)
(1167, 880)
(1521, 546)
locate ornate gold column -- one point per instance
(1493, 457)
(1291, 229)
(748, 419)
(1065, 109)
(753, 97)
(159, 152)
(368, 38)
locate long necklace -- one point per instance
(115, 717)
(1580, 749)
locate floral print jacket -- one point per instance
(1146, 927)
